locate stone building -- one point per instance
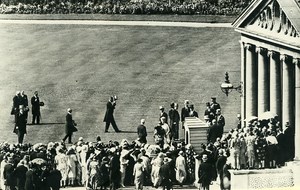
(270, 62)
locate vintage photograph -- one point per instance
(149, 94)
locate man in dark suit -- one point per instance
(20, 175)
(8, 174)
(220, 122)
(36, 113)
(20, 127)
(213, 132)
(163, 114)
(70, 126)
(16, 104)
(193, 113)
(109, 115)
(174, 120)
(166, 174)
(205, 173)
(185, 112)
(214, 105)
(221, 161)
(142, 132)
(24, 102)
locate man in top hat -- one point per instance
(109, 114)
(214, 105)
(142, 132)
(36, 113)
(70, 126)
(185, 112)
(163, 114)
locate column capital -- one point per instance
(296, 61)
(284, 57)
(272, 53)
(249, 46)
(261, 50)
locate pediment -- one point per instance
(279, 19)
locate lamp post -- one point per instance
(227, 87)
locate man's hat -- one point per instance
(69, 110)
(161, 107)
(186, 102)
(213, 97)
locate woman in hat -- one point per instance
(73, 161)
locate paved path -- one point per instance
(120, 23)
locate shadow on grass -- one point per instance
(46, 124)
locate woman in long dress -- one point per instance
(180, 168)
(138, 173)
(61, 161)
(156, 164)
(72, 161)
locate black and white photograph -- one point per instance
(150, 94)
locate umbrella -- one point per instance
(267, 115)
(38, 161)
(251, 118)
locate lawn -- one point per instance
(80, 66)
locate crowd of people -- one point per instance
(187, 7)
(168, 161)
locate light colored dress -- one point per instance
(3, 164)
(62, 164)
(138, 172)
(72, 160)
(180, 169)
(156, 164)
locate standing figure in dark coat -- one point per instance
(114, 175)
(163, 114)
(142, 132)
(20, 127)
(214, 105)
(36, 112)
(70, 126)
(166, 174)
(205, 173)
(220, 122)
(185, 112)
(31, 178)
(24, 102)
(109, 114)
(209, 112)
(213, 132)
(54, 179)
(221, 161)
(8, 174)
(193, 113)
(16, 104)
(289, 137)
(20, 175)
(174, 120)
(104, 174)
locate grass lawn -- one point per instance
(80, 66)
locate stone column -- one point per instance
(243, 58)
(287, 86)
(251, 82)
(275, 83)
(297, 108)
(263, 81)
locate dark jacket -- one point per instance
(8, 174)
(141, 131)
(205, 173)
(70, 124)
(21, 124)
(20, 175)
(35, 102)
(110, 106)
(185, 112)
(31, 179)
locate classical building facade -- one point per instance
(270, 61)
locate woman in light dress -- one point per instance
(156, 164)
(180, 168)
(72, 162)
(3, 164)
(138, 173)
(62, 164)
